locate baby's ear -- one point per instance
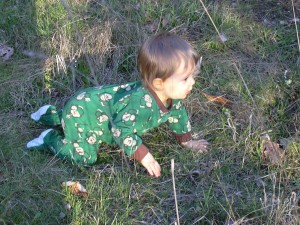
(157, 84)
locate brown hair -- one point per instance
(161, 55)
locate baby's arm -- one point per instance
(143, 155)
(197, 145)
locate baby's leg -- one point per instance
(80, 142)
(73, 150)
(76, 151)
(47, 115)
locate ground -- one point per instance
(63, 46)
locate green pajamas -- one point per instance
(114, 115)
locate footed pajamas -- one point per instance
(116, 114)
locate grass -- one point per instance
(95, 42)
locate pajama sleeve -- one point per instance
(178, 122)
(128, 122)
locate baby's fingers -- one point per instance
(157, 171)
(154, 169)
(151, 165)
(199, 145)
(203, 143)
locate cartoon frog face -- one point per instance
(91, 139)
(94, 135)
(129, 141)
(146, 101)
(129, 117)
(78, 149)
(83, 96)
(75, 111)
(126, 87)
(116, 132)
(106, 97)
(101, 117)
(172, 120)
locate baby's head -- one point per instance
(161, 56)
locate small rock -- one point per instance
(62, 215)
(6, 52)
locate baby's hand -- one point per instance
(198, 145)
(151, 165)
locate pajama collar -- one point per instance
(159, 103)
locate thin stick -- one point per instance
(296, 25)
(173, 179)
(210, 18)
(246, 86)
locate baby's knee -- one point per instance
(90, 160)
(85, 160)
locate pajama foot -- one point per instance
(39, 143)
(47, 115)
(36, 116)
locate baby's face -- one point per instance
(180, 84)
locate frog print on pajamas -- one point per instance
(75, 111)
(83, 96)
(115, 114)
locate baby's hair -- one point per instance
(161, 55)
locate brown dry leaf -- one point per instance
(76, 188)
(204, 170)
(151, 25)
(217, 99)
(6, 52)
(272, 152)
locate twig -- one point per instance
(296, 25)
(213, 23)
(246, 86)
(174, 189)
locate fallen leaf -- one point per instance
(76, 188)
(217, 99)
(204, 170)
(6, 52)
(165, 21)
(271, 151)
(151, 25)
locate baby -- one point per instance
(121, 114)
